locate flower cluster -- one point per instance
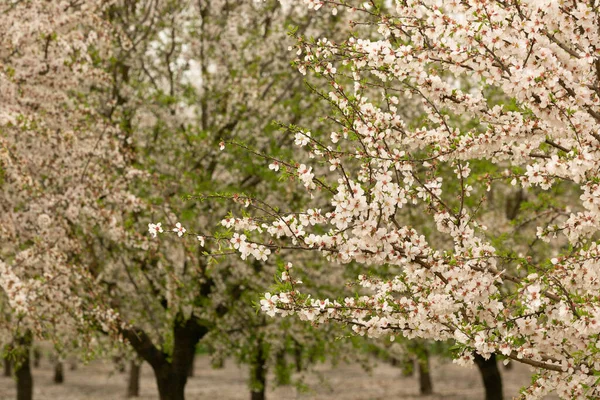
(64, 171)
(454, 102)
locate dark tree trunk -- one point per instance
(23, 368)
(171, 375)
(59, 376)
(258, 370)
(513, 204)
(8, 364)
(171, 383)
(490, 374)
(37, 355)
(133, 386)
(425, 385)
(298, 356)
(190, 372)
(7, 367)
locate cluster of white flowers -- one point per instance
(14, 288)
(155, 229)
(539, 60)
(64, 172)
(258, 251)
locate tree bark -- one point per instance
(298, 356)
(425, 385)
(190, 371)
(258, 370)
(490, 374)
(133, 386)
(7, 367)
(23, 368)
(171, 376)
(37, 355)
(59, 376)
(171, 383)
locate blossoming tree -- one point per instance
(188, 77)
(510, 117)
(59, 153)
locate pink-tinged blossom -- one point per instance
(306, 176)
(238, 240)
(444, 181)
(274, 166)
(180, 230)
(269, 304)
(155, 229)
(66, 177)
(302, 138)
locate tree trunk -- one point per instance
(133, 386)
(37, 355)
(258, 370)
(170, 371)
(23, 369)
(59, 376)
(172, 377)
(298, 356)
(190, 371)
(8, 364)
(171, 383)
(7, 367)
(490, 374)
(425, 385)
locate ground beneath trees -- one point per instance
(99, 381)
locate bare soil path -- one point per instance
(99, 381)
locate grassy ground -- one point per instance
(99, 381)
